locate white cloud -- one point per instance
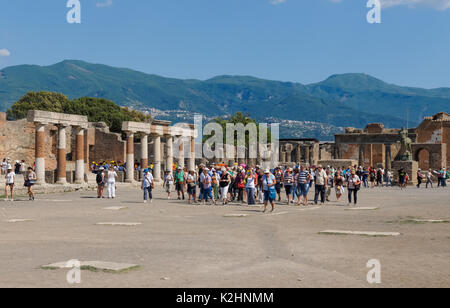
(276, 2)
(107, 3)
(436, 4)
(4, 52)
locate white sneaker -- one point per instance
(145, 201)
(151, 200)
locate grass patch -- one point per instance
(95, 270)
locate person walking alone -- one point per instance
(354, 185)
(147, 185)
(320, 185)
(10, 178)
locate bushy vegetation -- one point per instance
(96, 109)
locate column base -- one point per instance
(61, 182)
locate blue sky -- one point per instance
(291, 40)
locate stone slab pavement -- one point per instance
(181, 245)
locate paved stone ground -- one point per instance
(177, 245)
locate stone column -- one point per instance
(40, 153)
(181, 153)
(61, 169)
(144, 151)
(388, 165)
(169, 159)
(307, 155)
(79, 164)
(361, 155)
(130, 158)
(157, 158)
(299, 154)
(192, 155)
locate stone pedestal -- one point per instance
(411, 167)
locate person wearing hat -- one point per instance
(10, 178)
(224, 184)
(111, 177)
(191, 180)
(147, 185)
(30, 179)
(179, 182)
(270, 194)
(288, 184)
(206, 182)
(100, 179)
(168, 182)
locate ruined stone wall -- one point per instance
(107, 146)
(435, 131)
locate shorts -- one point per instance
(168, 188)
(288, 189)
(303, 189)
(179, 186)
(10, 184)
(192, 190)
(278, 187)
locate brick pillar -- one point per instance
(61, 169)
(79, 164)
(144, 151)
(169, 159)
(157, 158)
(192, 155)
(307, 155)
(40, 153)
(299, 154)
(130, 158)
(361, 155)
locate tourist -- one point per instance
(380, 177)
(279, 177)
(328, 186)
(30, 179)
(250, 186)
(420, 177)
(100, 179)
(303, 180)
(339, 183)
(191, 181)
(288, 184)
(10, 178)
(389, 178)
(168, 182)
(215, 177)
(365, 176)
(4, 166)
(270, 193)
(206, 180)
(320, 185)
(429, 177)
(111, 182)
(17, 167)
(372, 177)
(147, 185)
(260, 175)
(239, 185)
(354, 185)
(224, 183)
(179, 182)
(402, 177)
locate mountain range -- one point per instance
(316, 110)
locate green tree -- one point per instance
(48, 101)
(96, 109)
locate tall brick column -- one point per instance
(144, 151)
(169, 158)
(157, 158)
(388, 165)
(40, 153)
(79, 164)
(130, 158)
(191, 161)
(61, 167)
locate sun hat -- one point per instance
(267, 171)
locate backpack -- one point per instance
(99, 178)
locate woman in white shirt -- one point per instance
(111, 182)
(250, 187)
(30, 179)
(10, 178)
(147, 185)
(354, 185)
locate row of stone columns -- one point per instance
(286, 156)
(157, 154)
(61, 155)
